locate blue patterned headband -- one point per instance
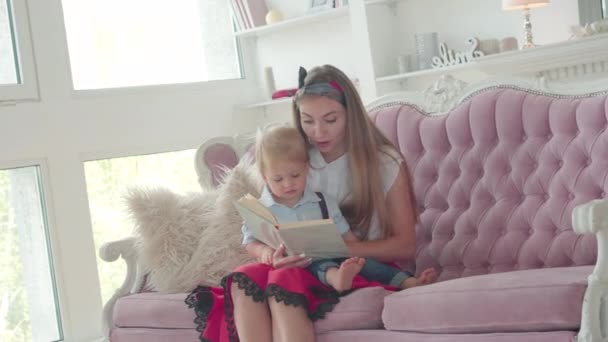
(330, 89)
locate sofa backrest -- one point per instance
(497, 177)
(217, 155)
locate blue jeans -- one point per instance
(372, 270)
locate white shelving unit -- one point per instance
(306, 19)
(359, 28)
(370, 60)
(426, 72)
(543, 59)
(294, 22)
(281, 101)
(381, 2)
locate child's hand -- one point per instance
(267, 256)
(279, 260)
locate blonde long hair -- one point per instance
(364, 144)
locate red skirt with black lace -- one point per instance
(291, 286)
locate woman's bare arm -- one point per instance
(401, 245)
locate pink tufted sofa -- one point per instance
(497, 181)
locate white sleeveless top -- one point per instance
(334, 178)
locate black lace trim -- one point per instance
(299, 300)
(245, 283)
(201, 300)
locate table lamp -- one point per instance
(524, 5)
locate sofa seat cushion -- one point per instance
(154, 310)
(399, 336)
(361, 309)
(546, 299)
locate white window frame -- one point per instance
(27, 88)
(46, 198)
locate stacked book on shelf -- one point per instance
(248, 14)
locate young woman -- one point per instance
(351, 161)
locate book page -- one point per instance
(298, 224)
(260, 228)
(316, 240)
(253, 204)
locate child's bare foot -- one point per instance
(347, 271)
(427, 276)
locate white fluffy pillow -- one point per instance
(187, 240)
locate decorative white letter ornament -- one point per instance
(447, 57)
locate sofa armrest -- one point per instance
(588, 218)
(134, 279)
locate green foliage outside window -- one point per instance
(14, 315)
(107, 181)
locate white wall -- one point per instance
(391, 33)
(457, 20)
(65, 128)
(322, 43)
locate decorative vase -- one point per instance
(508, 44)
(269, 81)
(273, 16)
(489, 46)
(427, 47)
(404, 64)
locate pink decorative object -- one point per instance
(508, 44)
(284, 93)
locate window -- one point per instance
(107, 181)
(17, 72)
(28, 302)
(8, 65)
(122, 43)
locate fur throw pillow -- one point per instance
(192, 239)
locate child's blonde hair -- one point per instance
(279, 142)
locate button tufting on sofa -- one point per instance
(479, 297)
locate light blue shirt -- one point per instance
(306, 209)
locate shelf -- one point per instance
(294, 22)
(284, 100)
(539, 59)
(426, 72)
(381, 2)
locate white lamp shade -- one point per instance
(520, 4)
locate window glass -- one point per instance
(28, 302)
(108, 179)
(122, 43)
(8, 65)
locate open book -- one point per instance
(315, 238)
